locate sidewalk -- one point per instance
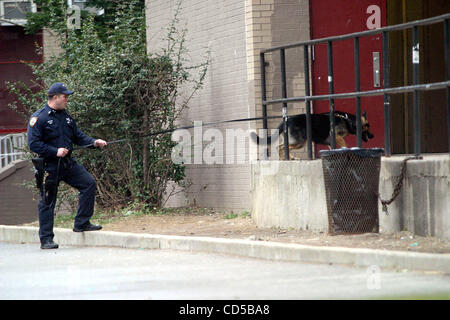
(397, 260)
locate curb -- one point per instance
(416, 261)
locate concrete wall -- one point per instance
(292, 195)
(289, 194)
(423, 206)
(233, 32)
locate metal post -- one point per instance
(416, 61)
(263, 89)
(387, 98)
(284, 95)
(263, 96)
(307, 102)
(447, 72)
(331, 91)
(357, 89)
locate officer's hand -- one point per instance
(62, 152)
(100, 143)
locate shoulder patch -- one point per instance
(33, 121)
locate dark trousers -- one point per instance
(76, 176)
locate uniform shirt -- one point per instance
(50, 129)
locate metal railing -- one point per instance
(11, 148)
(357, 94)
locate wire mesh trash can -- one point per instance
(351, 187)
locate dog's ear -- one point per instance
(365, 114)
(351, 124)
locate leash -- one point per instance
(181, 128)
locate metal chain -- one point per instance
(399, 185)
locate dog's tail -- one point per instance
(257, 139)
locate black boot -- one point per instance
(49, 244)
(88, 227)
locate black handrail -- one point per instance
(396, 27)
(377, 92)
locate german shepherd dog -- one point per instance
(345, 124)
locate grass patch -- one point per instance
(100, 217)
(106, 216)
(231, 216)
(245, 214)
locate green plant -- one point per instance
(245, 214)
(231, 216)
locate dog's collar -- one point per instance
(342, 116)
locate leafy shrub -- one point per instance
(121, 92)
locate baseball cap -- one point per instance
(58, 88)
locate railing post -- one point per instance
(357, 89)
(284, 96)
(9, 146)
(387, 98)
(307, 102)
(331, 91)
(263, 96)
(416, 61)
(263, 89)
(2, 148)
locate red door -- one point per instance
(338, 17)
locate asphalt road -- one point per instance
(27, 272)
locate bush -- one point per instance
(121, 92)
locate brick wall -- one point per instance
(273, 23)
(217, 27)
(17, 204)
(51, 44)
(233, 32)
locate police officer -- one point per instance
(51, 134)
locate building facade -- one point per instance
(233, 32)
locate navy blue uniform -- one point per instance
(48, 130)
